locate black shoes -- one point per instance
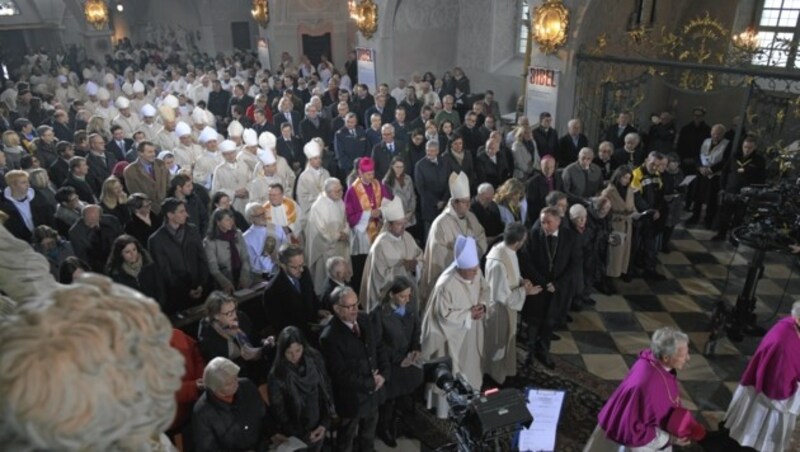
(721, 236)
(546, 361)
(385, 435)
(626, 277)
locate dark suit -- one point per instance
(431, 182)
(401, 134)
(119, 152)
(99, 170)
(93, 245)
(218, 103)
(467, 166)
(494, 173)
(387, 115)
(82, 188)
(284, 305)
(41, 213)
(308, 130)
(613, 135)
(361, 105)
(536, 190)
(568, 151)
(58, 172)
(292, 151)
(266, 127)
(622, 157)
(183, 265)
(351, 361)
(348, 147)
(63, 132)
(473, 139)
(281, 117)
(546, 141)
(540, 263)
(383, 157)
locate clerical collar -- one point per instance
(349, 324)
(555, 234)
(434, 161)
(464, 280)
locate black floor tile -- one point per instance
(630, 359)
(668, 287)
(575, 360)
(708, 395)
(620, 321)
(682, 271)
(701, 258)
(690, 322)
(645, 303)
(594, 342)
(728, 367)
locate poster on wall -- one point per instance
(366, 68)
(541, 93)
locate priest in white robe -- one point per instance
(327, 232)
(394, 253)
(165, 138)
(235, 132)
(209, 160)
(455, 220)
(186, 152)
(249, 153)
(264, 177)
(126, 119)
(263, 240)
(508, 289)
(104, 108)
(312, 179)
(149, 125)
(266, 143)
(231, 177)
(453, 322)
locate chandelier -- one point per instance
(365, 15)
(260, 12)
(96, 12)
(746, 41)
(549, 25)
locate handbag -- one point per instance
(682, 424)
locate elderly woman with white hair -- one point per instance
(763, 412)
(230, 415)
(586, 234)
(645, 414)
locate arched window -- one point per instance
(523, 27)
(778, 34)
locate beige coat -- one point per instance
(218, 253)
(138, 181)
(621, 209)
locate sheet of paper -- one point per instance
(545, 407)
(687, 180)
(291, 445)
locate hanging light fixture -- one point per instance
(549, 25)
(365, 15)
(260, 12)
(96, 12)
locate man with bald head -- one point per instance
(570, 144)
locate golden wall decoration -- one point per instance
(549, 25)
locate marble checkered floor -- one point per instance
(605, 339)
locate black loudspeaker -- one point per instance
(498, 413)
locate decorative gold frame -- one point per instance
(365, 14)
(260, 12)
(96, 13)
(549, 25)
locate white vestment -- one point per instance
(249, 159)
(259, 188)
(107, 113)
(129, 124)
(324, 226)
(204, 168)
(150, 131)
(166, 140)
(230, 177)
(385, 262)
(503, 278)
(186, 156)
(285, 173)
(448, 328)
(309, 186)
(754, 420)
(441, 240)
(277, 215)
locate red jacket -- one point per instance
(193, 370)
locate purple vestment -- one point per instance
(641, 403)
(775, 367)
(352, 205)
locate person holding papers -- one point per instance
(644, 414)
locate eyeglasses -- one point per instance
(348, 307)
(229, 314)
(295, 267)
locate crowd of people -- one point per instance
(387, 227)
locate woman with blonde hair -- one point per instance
(526, 156)
(40, 182)
(12, 149)
(510, 199)
(113, 200)
(97, 124)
